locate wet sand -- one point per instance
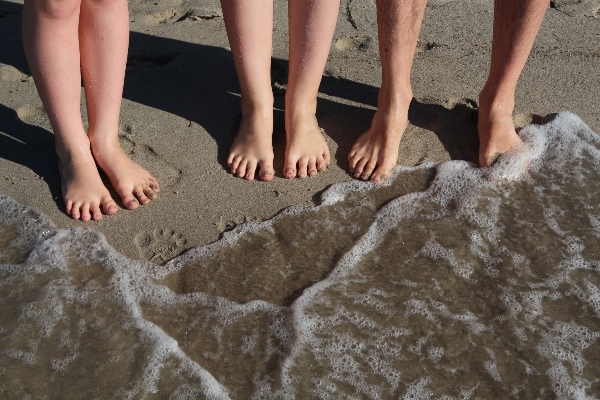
(181, 107)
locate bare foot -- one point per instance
(306, 151)
(497, 134)
(252, 147)
(375, 153)
(84, 194)
(133, 183)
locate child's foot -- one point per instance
(375, 153)
(306, 149)
(84, 194)
(133, 183)
(252, 148)
(497, 134)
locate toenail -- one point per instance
(313, 172)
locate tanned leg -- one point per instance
(375, 153)
(249, 28)
(104, 34)
(312, 24)
(516, 24)
(52, 47)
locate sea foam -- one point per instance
(449, 281)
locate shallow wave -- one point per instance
(449, 281)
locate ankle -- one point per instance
(496, 100)
(258, 106)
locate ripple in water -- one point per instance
(448, 282)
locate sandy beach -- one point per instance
(448, 281)
(181, 109)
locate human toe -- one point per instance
(302, 168)
(149, 192)
(75, 210)
(235, 164)
(266, 171)
(241, 169)
(289, 171)
(138, 191)
(130, 202)
(109, 206)
(250, 170)
(368, 170)
(312, 167)
(85, 212)
(359, 167)
(321, 164)
(95, 211)
(381, 174)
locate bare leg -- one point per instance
(104, 34)
(249, 28)
(312, 24)
(375, 153)
(52, 48)
(516, 23)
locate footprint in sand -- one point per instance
(578, 8)
(362, 15)
(167, 174)
(33, 115)
(8, 73)
(427, 46)
(522, 120)
(361, 43)
(166, 17)
(160, 245)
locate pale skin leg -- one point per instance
(312, 24)
(51, 32)
(249, 28)
(375, 153)
(104, 41)
(516, 24)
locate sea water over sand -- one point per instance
(448, 282)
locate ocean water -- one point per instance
(449, 282)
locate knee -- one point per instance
(57, 9)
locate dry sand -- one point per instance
(181, 107)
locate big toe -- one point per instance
(267, 172)
(109, 206)
(130, 202)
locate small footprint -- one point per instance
(522, 120)
(577, 8)
(34, 115)
(167, 174)
(160, 245)
(361, 43)
(8, 73)
(423, 47)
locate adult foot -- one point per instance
(497, 134)
(252, 148)
(375, 153)
(306, 151)
(133, 183)
(84, 194)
